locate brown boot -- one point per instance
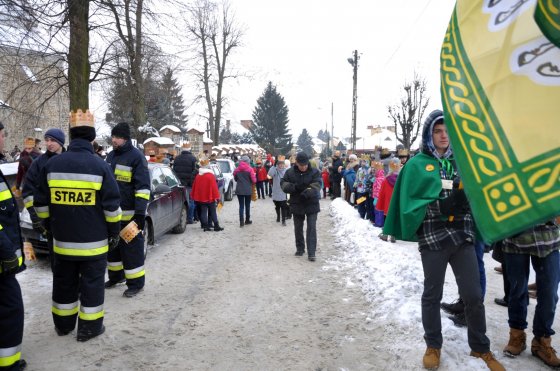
(431, 358)
(541, 348)
(517, 343)
(490, 361)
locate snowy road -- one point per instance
(240, 300)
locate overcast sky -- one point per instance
(303, 47)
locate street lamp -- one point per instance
(354, 62)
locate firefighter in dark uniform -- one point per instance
(11, 262)
(79, 199)
(54, 140)
(130, 168)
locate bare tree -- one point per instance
(213, 28)
(407, 115)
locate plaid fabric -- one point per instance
(437, 231)
(539, 240)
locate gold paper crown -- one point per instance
(204, 161)
(80, 118)
(29, 142)
(385, 151)
(186, 145)
(281, 157)
(403, 152)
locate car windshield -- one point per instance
(224, 166)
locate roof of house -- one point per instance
(170, 127)
(162, 141)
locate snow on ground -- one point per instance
(391, 278)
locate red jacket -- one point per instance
(386, 192)
(326, 182)
(205, 188)
(261, 174)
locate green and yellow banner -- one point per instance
(500, 85)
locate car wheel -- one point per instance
(229, 194)
(180, 228)
(148, 235)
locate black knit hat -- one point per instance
(302, 158)
(82, 132)
(121, 130)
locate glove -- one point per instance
(457, 183)
(9, 265)
(455, 203)
(308, 194)
(300, 187)
(140, 221)
(113, 242)
(39, 227)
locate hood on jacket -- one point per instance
(427, 140)
(244, 166)
(205, 170)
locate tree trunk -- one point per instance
(139, 109)
(78, 56)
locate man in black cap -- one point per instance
(54, 139)
(131, 172)
(303, 183)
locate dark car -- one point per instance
(167, 209)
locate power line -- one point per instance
(407, 34)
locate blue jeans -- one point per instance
(244, 207)
(362, 206)
(547, 271)
(190, 212)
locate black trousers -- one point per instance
(11, 322)
(336, 189)
(311, 232)
(127, 261)
(261, 193)
(83, 281)
(208, 211)
(281, 209)
(462, 260)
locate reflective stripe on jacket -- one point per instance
(81, 197)
(11, 242)
(130, 169)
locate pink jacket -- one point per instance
(379, 178)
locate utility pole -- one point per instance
(354, 62)
(332, 128)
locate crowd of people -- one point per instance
(418, 198)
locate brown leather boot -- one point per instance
(517, 343)
(541, 348)
(431, 358)
(491, 362)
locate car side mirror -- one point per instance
(162, 189)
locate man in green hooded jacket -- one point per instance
(430, 207)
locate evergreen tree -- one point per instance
(236, 138)
(324, 136)
(305, 142)
(270, 122)
(169, 108)
(164, 102)
(247, 138)
(226, 136)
